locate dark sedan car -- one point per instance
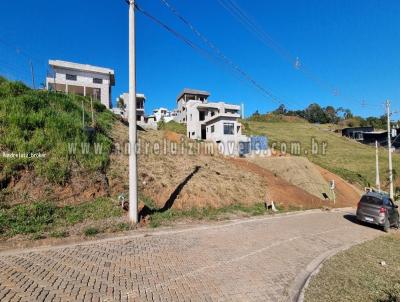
(379, 209)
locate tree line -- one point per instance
(314, 113)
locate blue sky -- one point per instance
(351, 46)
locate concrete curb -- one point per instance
(303, 279)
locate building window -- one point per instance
(97, 94)
(71, 77)
(229, 128)
(97, 81)
(212, 129)
(193, 133)
(237, 129)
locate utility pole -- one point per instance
(133, 204)
(377, 181)
(33, 74)
(389, 150)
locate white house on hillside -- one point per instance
(186, 96)
(140, 102)
(213, 121)
(164, 114)
(81, 79)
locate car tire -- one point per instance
(397, 224)
(386, 226)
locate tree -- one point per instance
(280, 110)
(330, 114)
(121, 104)
(347, 114)
(315, 114)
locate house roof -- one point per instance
(84, 67)
(193, 91)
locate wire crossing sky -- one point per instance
(340, 53)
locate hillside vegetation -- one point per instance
(37, 131)
(353, 161)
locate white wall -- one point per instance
(84, 79)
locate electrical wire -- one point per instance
(253, 27)
(223, 58)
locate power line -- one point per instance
(219, 55)
(251, 25)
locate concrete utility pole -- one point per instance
(377, 181)
(389, 150)
(133, 204)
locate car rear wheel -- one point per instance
(386, 226)
(397, 224)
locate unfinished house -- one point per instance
(81, 79)
(140, 100)
(213, 121)
(184, 98)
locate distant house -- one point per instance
(140, 103)
(370, 138)
(81, 79)
(356, 132)
(164, 114)
(367, 135)
(214, 121)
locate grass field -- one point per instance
(358, 275)
(353, 161)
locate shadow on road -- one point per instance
(145, 211)
(352, 218)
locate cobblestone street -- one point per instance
(257, 259)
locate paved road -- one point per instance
(261, 259)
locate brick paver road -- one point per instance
(257, 259)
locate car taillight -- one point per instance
(382, 211)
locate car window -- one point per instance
(371, 200)
(386, 202)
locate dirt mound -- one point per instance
(27, 187)
(198, 180)
(280, 190)
(346, 194)
(186, 179)
(298, 171)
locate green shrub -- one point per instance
(172, 126)
(91, 231)
(26, 219)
